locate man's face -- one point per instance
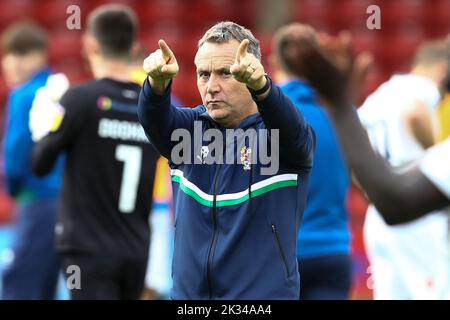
(18, 68)
(13, 70)
(227, 100)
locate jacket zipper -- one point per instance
(250, 186)
(280, 250)
(215, 234)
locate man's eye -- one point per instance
(225, 73)
(203, 74)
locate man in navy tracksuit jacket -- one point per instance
(235, 228)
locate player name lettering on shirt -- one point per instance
(121, 130)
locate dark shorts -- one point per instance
(33, 273)
(325, 278)
(104, 277)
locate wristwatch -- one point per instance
(256, 93)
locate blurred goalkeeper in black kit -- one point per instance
(108, 178)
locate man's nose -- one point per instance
(213, 85)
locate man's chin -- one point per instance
(218, 115)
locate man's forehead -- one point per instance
(216, 54)
(217, 62)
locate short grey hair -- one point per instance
(225, 31)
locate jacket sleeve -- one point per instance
(297, 138)
(160, 118)
(17, 143)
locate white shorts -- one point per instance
(409, 261)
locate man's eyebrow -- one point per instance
(223, 69)
(200, 69)
(220, 69)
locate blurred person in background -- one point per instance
(106, 196)
(409, 261)
(158, 279)
(399, 195)
(444, 111)
(323, 245)
(444, 107)
(33, 271)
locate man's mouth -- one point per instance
(214, 104)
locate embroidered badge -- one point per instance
(203, 154)
(246, 156)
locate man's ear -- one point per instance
(443, 72)
(90, 45)
(137, 52)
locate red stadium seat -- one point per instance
(265, 42)
(400, 10)
(209, 12)
(307, 9)
(153, 12)
(437, 22)
(65, 44)
(184, 87)
(11, 11)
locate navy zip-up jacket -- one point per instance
(235, 229)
